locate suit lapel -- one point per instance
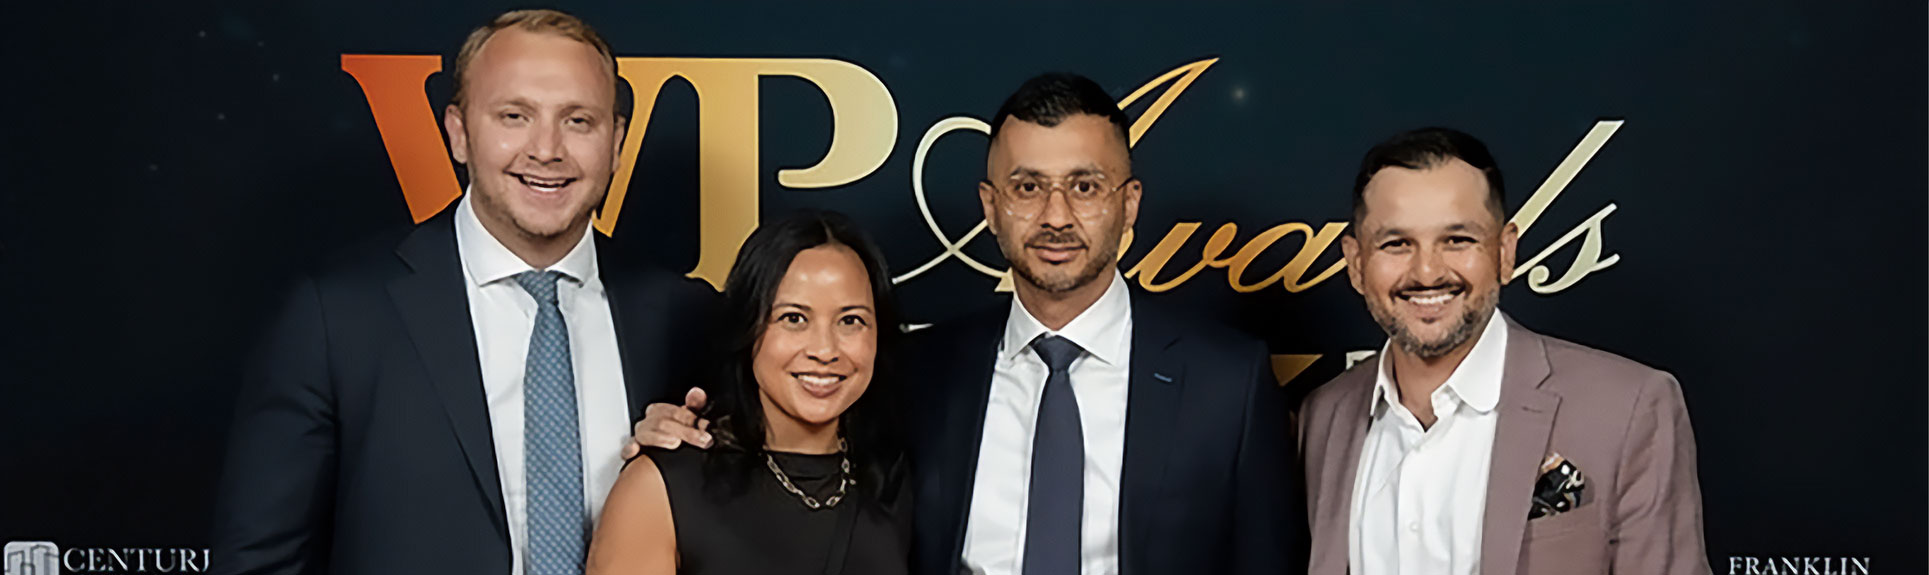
(433, 304)
(1333, 530)
(964, 396)
(1520, 441)
(1151, 415)
(638, 346)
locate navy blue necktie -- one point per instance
(553, 449)
(1056, 500)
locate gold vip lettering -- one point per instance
(864, 133)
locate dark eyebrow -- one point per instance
(1384, 232)
(858, 307)
(1081, 171)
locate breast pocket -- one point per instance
(1571, 542)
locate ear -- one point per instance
(616, 149)
(1350, 250)
(1509, 241)
(988, 200)
(1133, 191)
(458, 134)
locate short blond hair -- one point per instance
(538, 21)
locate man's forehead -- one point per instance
(1079, 141)
(1449, 176)
(1436, 198)
(522, 54)
(1409, 218)
(514, 40)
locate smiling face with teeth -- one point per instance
(1429, 252)
(819, 342)
(538, 133)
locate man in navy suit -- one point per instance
(456, 398)
(1084, 427)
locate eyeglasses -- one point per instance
(1085, 193)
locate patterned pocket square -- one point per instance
(1559, 488)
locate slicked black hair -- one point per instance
(1424, 149)
(1050, 98)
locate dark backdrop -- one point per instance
(170, 165)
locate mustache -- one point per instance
(1447, 285)
(1055, 238)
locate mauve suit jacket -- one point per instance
(1622, 423)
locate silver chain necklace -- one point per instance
(844, 483)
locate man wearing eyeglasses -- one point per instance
(1083, 428)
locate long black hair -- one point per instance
(870, 425)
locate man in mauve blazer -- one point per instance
(1472, 445)
(1623, 423)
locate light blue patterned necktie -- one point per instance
(553, 462)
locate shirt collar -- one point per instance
(1100, 330)
(488, 261)
(1476, 381)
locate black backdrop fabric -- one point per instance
(172, 165)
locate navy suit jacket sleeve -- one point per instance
(695, 317)
(1268, 512)
(277, 486)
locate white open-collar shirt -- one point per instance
(1420, 495)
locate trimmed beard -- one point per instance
(1479, 310)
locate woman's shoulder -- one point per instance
(687, 465)
(684, 459)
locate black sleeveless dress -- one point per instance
(747, 523)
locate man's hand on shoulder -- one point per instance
(670, 426)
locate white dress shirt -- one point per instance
(1420, 495)
(504, 315)
(995, 528)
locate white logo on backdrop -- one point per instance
(30, 558)
(1745, 565)
(47, 558)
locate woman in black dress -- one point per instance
(807, 476)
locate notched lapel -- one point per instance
(434, 305)
(638, 317)
(1332, 508)
(964, 395)
(1520, 441)
(1151, 418)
